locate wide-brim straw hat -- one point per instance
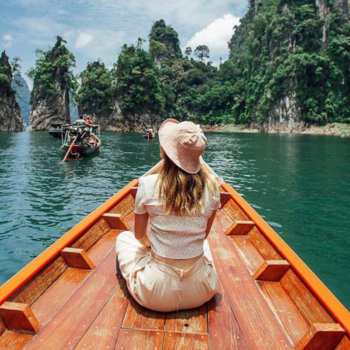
(183, 143)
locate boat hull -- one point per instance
(80, 151)
(56, 131)
(57, 134)
(71, 297)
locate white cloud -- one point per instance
(7, 37)
(8, 40)
(83, 40)
(216, 36)
(98, 29)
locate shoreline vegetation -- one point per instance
(331, 129)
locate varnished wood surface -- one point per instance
(262, 303)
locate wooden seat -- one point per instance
(19, 317)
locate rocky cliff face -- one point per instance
(10, 112)
(126, 122)
(284, 116)
(49, 111)
(23, 96)
(50, 95)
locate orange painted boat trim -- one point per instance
(333, 305)
(24, 275)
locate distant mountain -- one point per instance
(73, 110)
(23, 96)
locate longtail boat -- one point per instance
(56, 130)
(148, 134)
(70, 296)
(80, 141)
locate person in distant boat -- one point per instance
(88, 120)
(148, 133)
(80, 121)
(166, 262)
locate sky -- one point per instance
(97, 29)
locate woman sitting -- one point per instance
(167, 263)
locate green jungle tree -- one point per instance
(52, 73)
(97, 90)
(138, 85)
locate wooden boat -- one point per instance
(80, 141)
(148, 134)
(70, 297)
(56, 130)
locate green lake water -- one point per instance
(298, 183)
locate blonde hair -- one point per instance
(182, 193)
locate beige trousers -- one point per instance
(159, 286)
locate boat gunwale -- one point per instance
(32, 268)
(325, 296)
(12, 285)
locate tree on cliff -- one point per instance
(202, 52)
(138, 87)
(10, 112)
(53, 83)
(162, 33)
(97, 90)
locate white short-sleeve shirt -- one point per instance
(173, 236)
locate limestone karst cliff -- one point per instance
(292, 59)
(22, 96)
(10, 112)
(50, 96)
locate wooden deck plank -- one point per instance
(224, 219)
(104, 331)
(125, 207)
(305, 301)
(80, 310)
(130, 219)
(234, 212)
(285, 310)
(251, 258)
(263, 246)
(193, 320)
(92, 235)
(259, 325)
(50, 303)
(139, 339)
(107, 243)
(138, 317)
(185, 341)
(2, 327)
(224, 330)
(14, 341)
(35, 287)
(56, 297)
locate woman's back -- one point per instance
(173, 236)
